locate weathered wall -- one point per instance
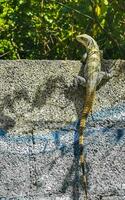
(39, 112)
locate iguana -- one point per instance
(92, 77)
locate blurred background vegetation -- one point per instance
(46, 29)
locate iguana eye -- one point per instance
(86, 40)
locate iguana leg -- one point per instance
(103, 75)
(79, 80)
(84, 58)
(107, 75)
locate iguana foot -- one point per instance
(79, 80)
(104, 76)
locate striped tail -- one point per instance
(86, 110)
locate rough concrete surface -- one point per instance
(39, 112)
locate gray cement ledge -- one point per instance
(39, 112)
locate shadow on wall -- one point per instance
(6, 122)
(40, 98)
(74, 169)
(42, 95)
(8, 101)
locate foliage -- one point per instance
(45, 29)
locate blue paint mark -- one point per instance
(63, 149)
(56, 136)
(120, 134)
(45, 146)
(2, 133)
(109, 112)
(66, 138)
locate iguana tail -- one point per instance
(86, 110)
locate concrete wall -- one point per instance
(39, 112)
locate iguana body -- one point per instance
(92, 77)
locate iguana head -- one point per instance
(87, 41)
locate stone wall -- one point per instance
(39, 112)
